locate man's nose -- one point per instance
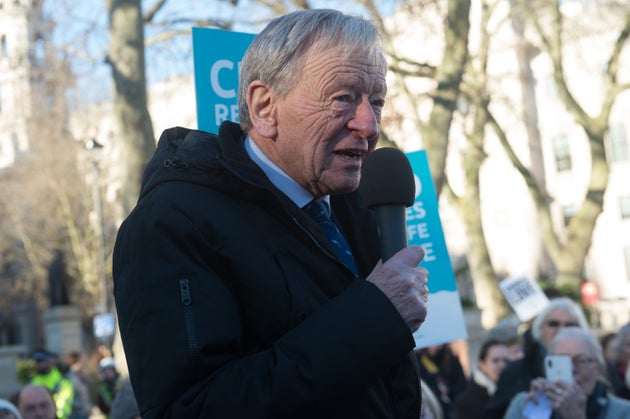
(364, 123)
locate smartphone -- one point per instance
(559, 368)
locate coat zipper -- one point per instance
(185, 298)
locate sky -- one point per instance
(81, 33)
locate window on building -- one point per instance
(618, 143)
(562, 153)
(626, 257)
(568, 212)
(624, 206)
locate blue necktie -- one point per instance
(319, 211)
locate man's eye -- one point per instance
(343, 98)
(378, 103)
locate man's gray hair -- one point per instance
(275, 55)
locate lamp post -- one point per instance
(94, 147)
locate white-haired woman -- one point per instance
(588, 397)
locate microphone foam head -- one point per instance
(387, 179)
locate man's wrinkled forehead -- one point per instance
(348, 46)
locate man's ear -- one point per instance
(261, 101)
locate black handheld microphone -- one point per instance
(388, 187)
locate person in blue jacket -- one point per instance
(231, 300)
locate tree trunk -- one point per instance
(134, 129)
(487, 293)
(525, 52)
(448, 76)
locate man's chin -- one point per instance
(345, 189)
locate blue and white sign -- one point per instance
(217, 58)
(445, 319)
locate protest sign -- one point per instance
(445, 319)
(524, 295)
(217, 56)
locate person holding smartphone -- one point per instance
(588, 397)
(561, 312)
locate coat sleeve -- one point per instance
(185, 353)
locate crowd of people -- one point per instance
(63, 389)
(508, 382)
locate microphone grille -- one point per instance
(387, 179)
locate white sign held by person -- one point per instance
(524, 295)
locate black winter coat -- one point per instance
(470, 403)
(231, 303)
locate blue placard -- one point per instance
(217, 56)
(445, 319)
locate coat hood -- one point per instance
(186, 155)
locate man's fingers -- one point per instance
(411, 255)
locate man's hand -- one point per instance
(405, 284)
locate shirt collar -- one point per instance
(278, 177)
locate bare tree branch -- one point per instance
(150, 14)
(613, 62)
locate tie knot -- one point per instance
(318, 210)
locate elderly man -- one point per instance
(234, 298)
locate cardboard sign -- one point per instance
(525, 297)
(445, 319)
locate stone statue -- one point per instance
(58, 280)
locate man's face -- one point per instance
(43, 366)
(36, 403)
(329, 121)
